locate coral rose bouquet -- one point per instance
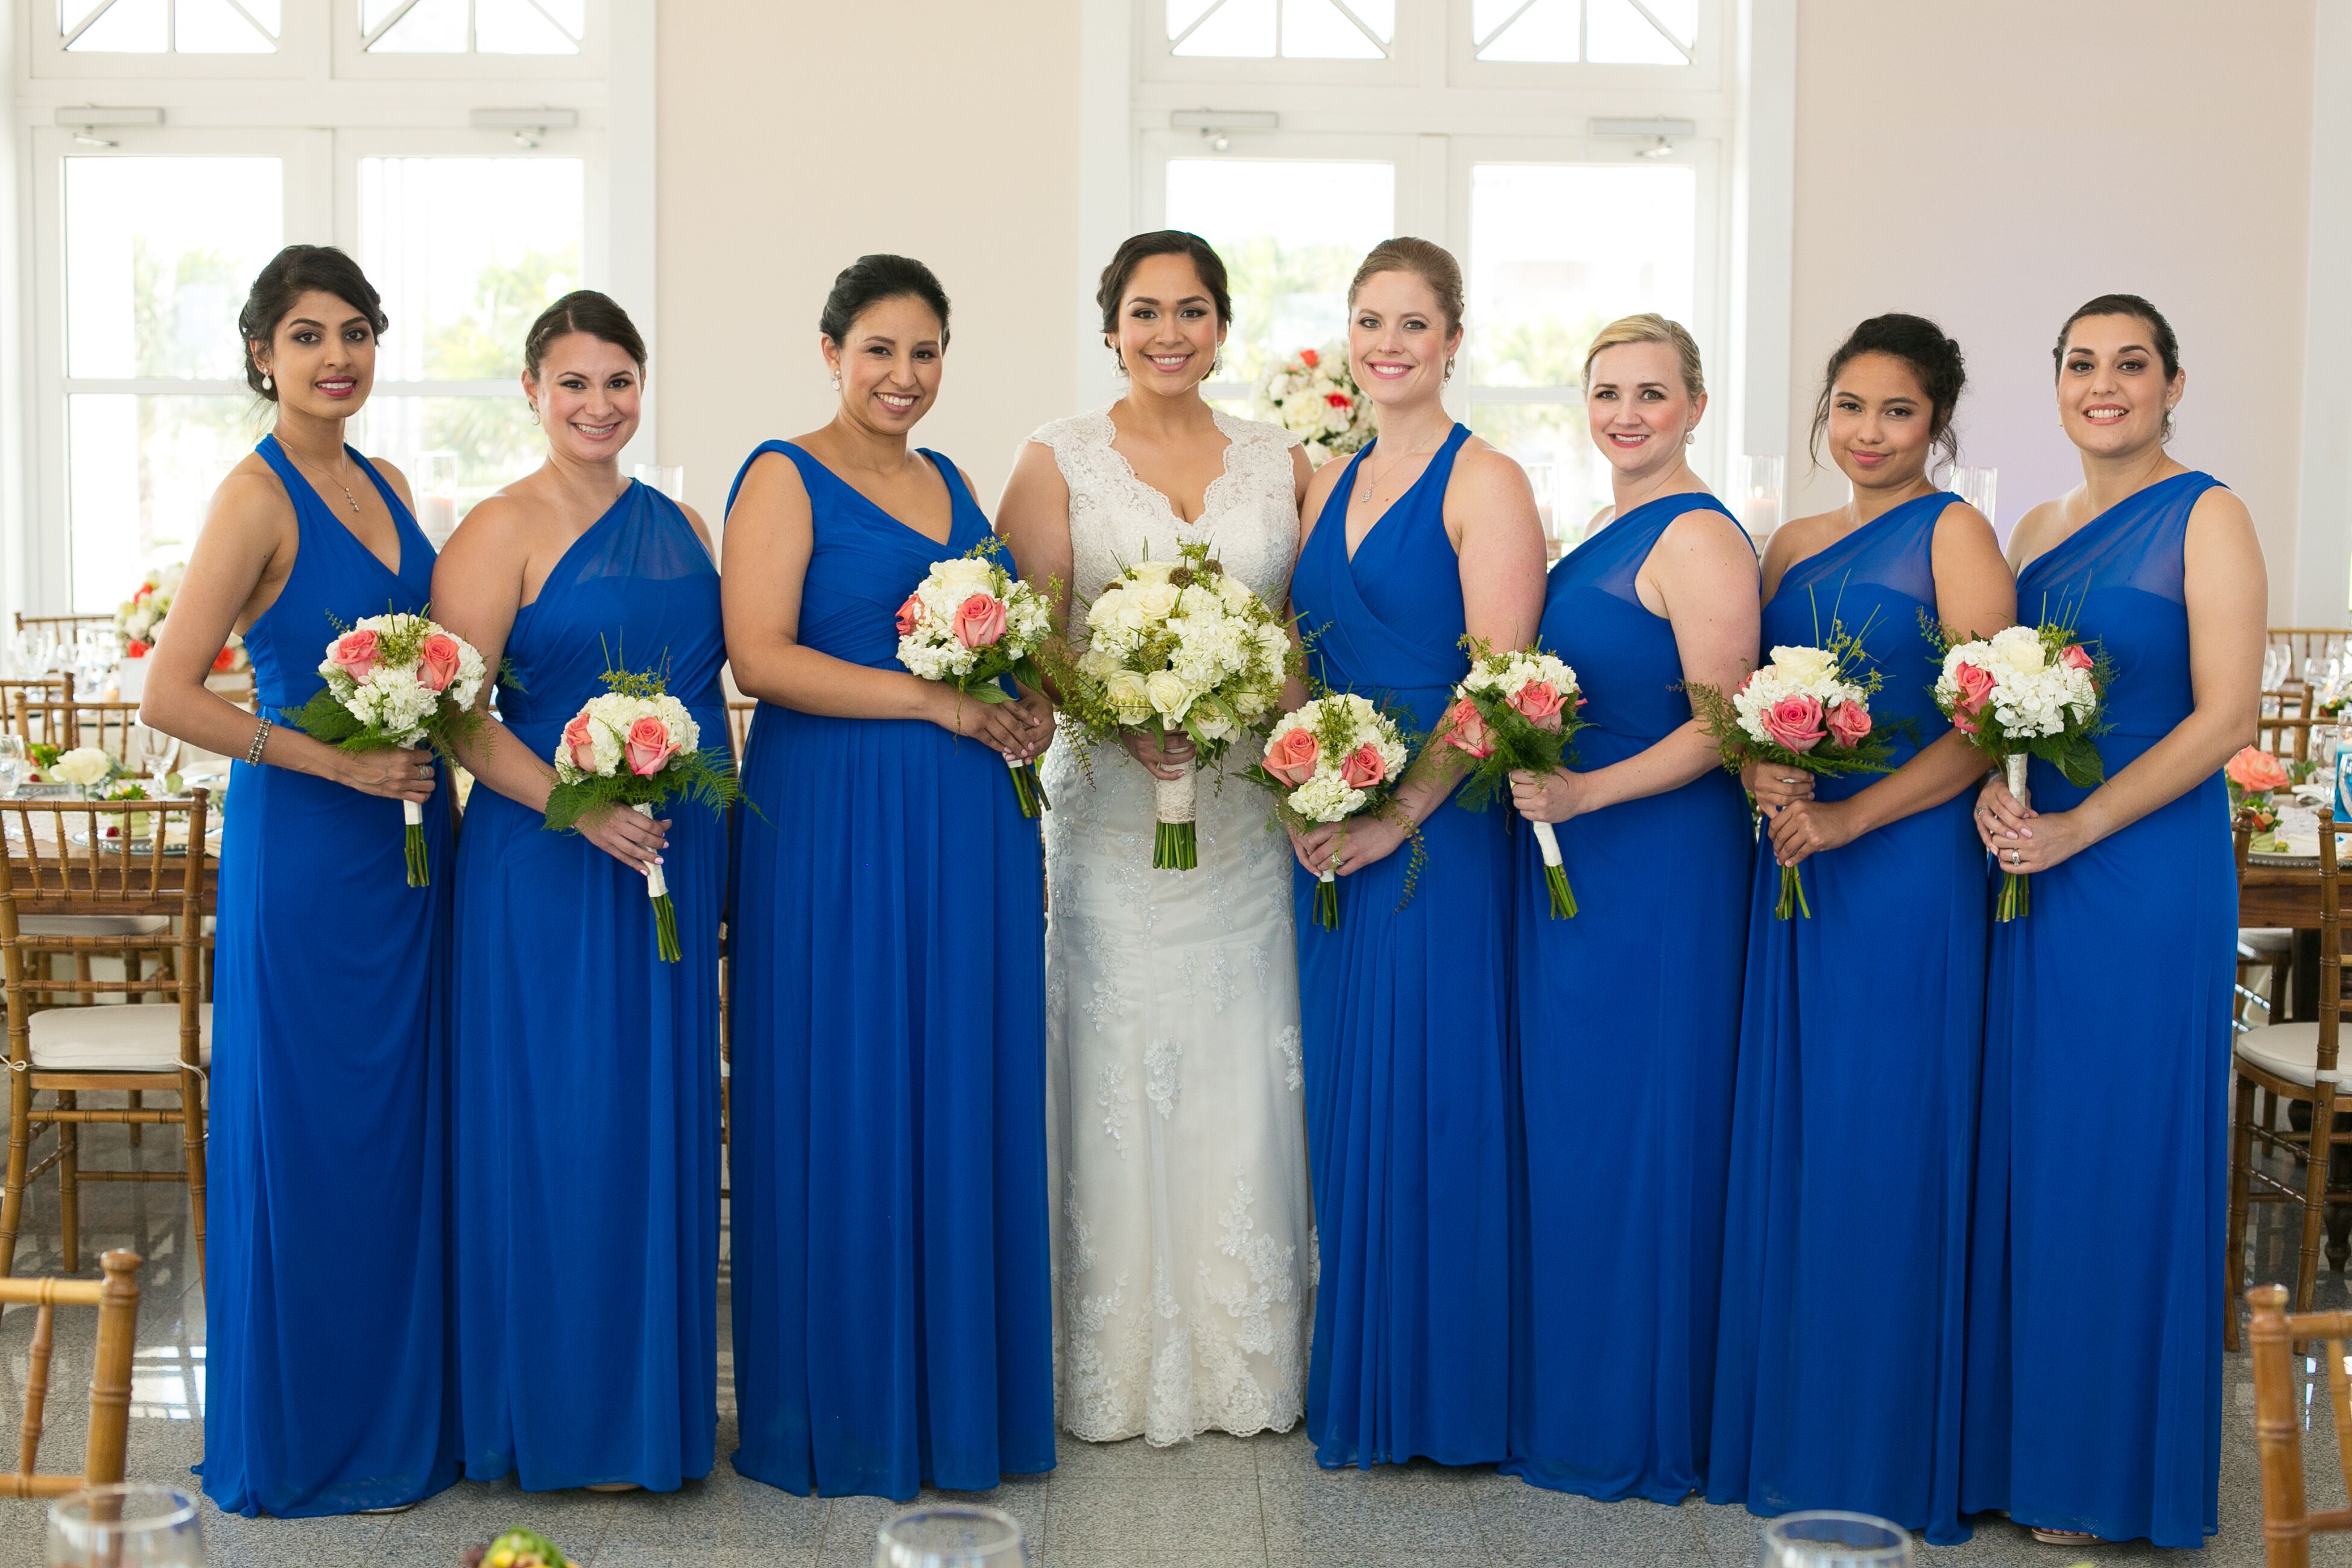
(970, 623)
(1335, 757)
(1515, 712)
(396, 681)
(2025, 691)
(1807, 708)
(636, 746)
(1314, 395)
(1173, 647)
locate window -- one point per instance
(1602, 32)
(1291, 29)
(484, 27)
(169, 27)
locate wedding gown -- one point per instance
(1183, 1254)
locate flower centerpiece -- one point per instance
(1314, 395)
(2254, 776)
(970, 623)
(517, 1549)
(1515, 712)
(1335, 757)
(140, 618)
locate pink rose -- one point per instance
(980, 620)
(911, 615)
(1849, 723)
(437, 661)
(581, 741)
(1309, 358)
(356, 654)
(1363, 768)
(1465, 729)
(2256, 772)
(649, 746)
(2073, 657)
(1976, 686)
(1291, 757)
(1539, 702)
(1795, 722)
(1964, 724)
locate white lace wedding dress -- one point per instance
(1184, 1258)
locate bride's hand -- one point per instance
(1164, 756)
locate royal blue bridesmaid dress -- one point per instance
(1838, 1376)
(2094, 1316)
(1626, 1024)
(892, 1293)
(327, 1387)
(1404, 1012)
(586, 1149)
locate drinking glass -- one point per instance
(126, 1526)
(1757, 492)
(156, 753)
(1976, 486)
(949, 1535)
(12, 760)
(1825, 1539)
(668, 478)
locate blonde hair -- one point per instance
(1431, 263)
(1649, 327)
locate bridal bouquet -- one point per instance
(1515, 712)
(636, 746)
(1314, 395)
(970, 623)
(2025, 691)
(396, 681)
(1335, 757)
(1176, 647)
(1807, 708)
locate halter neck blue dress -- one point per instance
(1625, 1045)
(1409, 1088)
(1838, 1379)
(892, 1288)
(327, 1380)
(586, 1154)
(2094, 1328)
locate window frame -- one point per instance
(352, 60)
(301, 33)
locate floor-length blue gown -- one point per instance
(1626, 1026)
(326, 1387)
(2095, 1314)
(1838, 1377)
(892, 1286)
(1403, 1013)
(586, 1154)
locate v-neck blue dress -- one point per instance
(892, 1288)
(1404, 1011)
(586, 1151)
(326, 1386)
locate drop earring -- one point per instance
(266, 382)
(1689, 437)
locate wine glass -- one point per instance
(949, 1535)
(126, 1526)
(1827, 1539)
(12, 760)
(156, 754)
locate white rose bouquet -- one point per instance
(396, 681)
(1176, 646)
(970, 623)
(2025, 691)
(1314, 395)
(1335, 757)
(1515, 712)
(138, 617)
(636, 746)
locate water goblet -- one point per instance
(126, 1526)
(949, 1535)
(1827, 1539)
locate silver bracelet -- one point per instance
(261, 738)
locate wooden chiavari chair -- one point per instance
(62, 1048)
(2288, 736)
(70, 721)
(64, 625)
(116, 1296)
(2288, 1522)
(2311, 642)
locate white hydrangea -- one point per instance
(1327, 796)
(609, 718)
(2035, 692)
(931, 649)
(394, 702)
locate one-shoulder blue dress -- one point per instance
(2095, 1327)
(1405, 1014)
(586, 1149)
(1626, 1046)
(893, 1302)
(1838, 1379)
(326, 1385)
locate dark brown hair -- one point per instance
(870, 279)
(582, 311)
(1134, 250)
(291, 273)
(2167, 346)
(1934, 358)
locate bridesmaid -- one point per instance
(2094, 1329)
(1613, 1316)
(1425, 534)
(1862, 1027)
(328, 1382)
(587, 1070)
(893, 1305)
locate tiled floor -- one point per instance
(1216, 1503)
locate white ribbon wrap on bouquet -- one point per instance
(1172, 799)
(1548, 841)
(411, 812)
(2015, 770)
(656, 885)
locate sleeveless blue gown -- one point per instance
(893, 1301)
(586, 1156)
(326, 1385)
(2094, 1328)
(1626, 1046)
(1838, 1376)
(1404, 1012)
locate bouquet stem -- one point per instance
(1792, 895)
(1327, 900)
(1563, 902)
(2016, 893)
(1175, 846)
(1028, 789)
(664, 911)
(413, 812)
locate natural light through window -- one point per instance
(1599, 32)
(1291, 29)
(169, 27)
(481, 26)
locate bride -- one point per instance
(1183, 1260)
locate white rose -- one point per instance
(1128, 695)
(1170, 694)
(1156, 601)
(1804, 668)
(1153, 571)
(1097, 663)
(84, 765)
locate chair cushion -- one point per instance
(144, 1037)
(94, 925)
